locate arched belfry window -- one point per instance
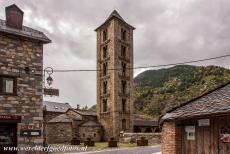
(123, 34)
(123, 51)
(123, 105)
(105, 52)
(104, 105)
(105, 84)
(105, 35)
(123, 85)
(123, 68)
(105, 69)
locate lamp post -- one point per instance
(49, 79)
(49, 90)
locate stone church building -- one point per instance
(115, 80)
(114, 93)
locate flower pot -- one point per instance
(75, 141)
(112, 143)
(142, 142)
(89, 143)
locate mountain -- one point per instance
(157, 91)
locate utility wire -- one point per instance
(141, 67)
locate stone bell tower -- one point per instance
(115, 78)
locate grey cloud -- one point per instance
(166, 32)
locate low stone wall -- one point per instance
(154, 138)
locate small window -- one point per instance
(95, 135)
(105, 35)
(105, 87)
(123, 84)
(123, 105)
(105, 66)
(105, 52)
(104, 109)
(123, 69)
(8, 85)
(123, 34)
(83, 134)
(123, 51)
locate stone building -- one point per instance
(145, 125)
(21, 68)
(114, 93)
(115, 80)
(199, 126)
(70, 123)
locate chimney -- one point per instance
(14, 17)
(78, 106)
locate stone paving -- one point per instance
(136, 150)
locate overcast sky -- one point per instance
(167, 31)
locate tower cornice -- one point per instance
(114, 15)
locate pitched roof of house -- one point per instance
(143, 121)
(116, 15)
(24, 32)
(55, 106)
(60, 118)
(91, 124)
(213, 102)
(84, 112)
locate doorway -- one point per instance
(224, 135)
(8, 137)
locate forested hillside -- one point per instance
(157, 91)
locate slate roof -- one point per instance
(211, 103)
(141, 121)
(91, 124)
(24, 32)
(114, 14)
(55, 106)
(60, 118)
(85, 112)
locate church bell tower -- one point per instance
(115, 76)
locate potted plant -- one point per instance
(112, 142)
(75, 141)
(142, 141)
(89, 142)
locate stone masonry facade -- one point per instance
(15, 55)
(21, 58)
(115, 87)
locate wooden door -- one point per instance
(8, 137)
(201, 143)
(224, 135)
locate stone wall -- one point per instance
(16, 54)
(59, 132)
(154, 138)
(94, 133)
(171, 138)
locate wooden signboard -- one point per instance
(51, 91)
(10, 118)
(204, 122)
